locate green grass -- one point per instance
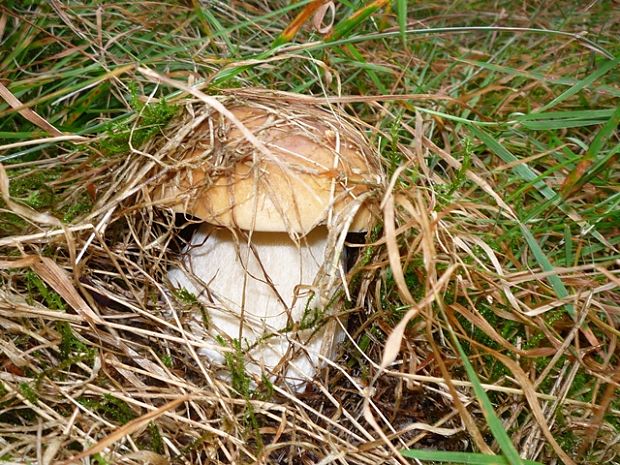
(521, 179)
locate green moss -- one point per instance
(235, 362)
(195, 444)
(266, 391)
(510, 330)
(192, 304)
(252, 425)
(534, 340)
(389, 149)
(69, 344)
(77, 209)
(312, 315)
(578, 387)
(445, 192)
(111, 408)
(10, 223)
(38, 290)
(33, 187)
(99, 460)
(28, 392)
(390, 299)
(391, 152)
(167, 360)
(242, 383)
(72, 352)
(567, 439)
(18, 416)
(147, 121)
(185, 296)
(156, 443)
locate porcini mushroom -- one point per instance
(260, 259)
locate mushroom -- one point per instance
(262, 261)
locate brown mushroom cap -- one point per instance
(313, 169)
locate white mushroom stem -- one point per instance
(260, 296)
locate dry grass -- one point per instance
(471, 248)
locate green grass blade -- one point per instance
(367, 68)
(229, 73)
(560, 124)
(584, 171)
(401, 11)
(537, 76)
(562, 115)
(522, 170)
(495, 425)
(208, 19)
(460, 29)
(564, 119)
(569, 258)
(555, 282)
(340, 30)
(527, 174)
(458, 119)
(347, 25)
(467, 458)
(579, 86)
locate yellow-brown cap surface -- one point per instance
(303, 172)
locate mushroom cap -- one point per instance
(309, 171)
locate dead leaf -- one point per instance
(319, 16)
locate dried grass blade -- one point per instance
(27, 113)
(476, 319)
(3, 20)
(44, 140)
(369, 417)
(530, 395)
(319, 17)
(392, 345)
(293, 28)
(216, 105)
(58, 280)
(26, 212)
(125, 430)
(596, 423)
(393, 251)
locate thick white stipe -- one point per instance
(257, 295)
